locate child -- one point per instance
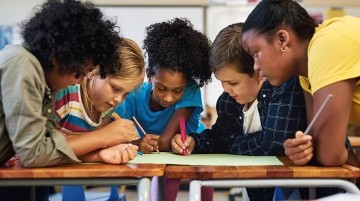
(81, 109)
(63, 41)
(254, 118)
(88, 107)
(285, 41)
(178, 66)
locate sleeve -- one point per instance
(61, 104)
(333, 53)
(31, 132)
(191, 98)
(282, 112)
(227, 127)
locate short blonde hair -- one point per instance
(132, 61)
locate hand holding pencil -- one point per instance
(177, 145)
(300, 149)
(149, 142)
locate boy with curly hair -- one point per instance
(178, 67)
(63, 41)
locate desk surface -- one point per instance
(243, 172)
(355, 141)
(83, 171)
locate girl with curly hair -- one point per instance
(63, 41)
(178, 67)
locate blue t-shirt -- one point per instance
(137, 104)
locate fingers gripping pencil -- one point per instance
(142, 129)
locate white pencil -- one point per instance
(138, 124)
(318, 113)
(141, 128)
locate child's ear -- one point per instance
(283, 38)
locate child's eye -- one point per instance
(116, 89)
(179, 91)
(233, 83)
(161, 89)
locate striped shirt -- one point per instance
(70, 112)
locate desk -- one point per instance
(84, 174)
(264, 176)
(355, 142)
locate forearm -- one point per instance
(86, 142)
(204, 142)
(164, 143)
(91, 157)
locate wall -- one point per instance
(134, 15)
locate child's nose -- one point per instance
(169, 98)
(256, 66)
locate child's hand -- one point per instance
(299, 149)
(117, 154)
(177, 145)
(148, 143)
(122, 130)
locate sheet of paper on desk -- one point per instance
(206, 159)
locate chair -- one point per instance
(77, 193)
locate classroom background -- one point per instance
(207, 16)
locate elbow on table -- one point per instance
(331, 159)
(31, 164)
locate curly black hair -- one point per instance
(72, 33)
(177, 46)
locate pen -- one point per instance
(140, 153)
(183, 133)
(318, 113)
(141, 128)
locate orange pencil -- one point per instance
(116, 116)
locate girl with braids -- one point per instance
(177, 68)
(83, 113)
(63, 41)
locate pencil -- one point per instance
(142, 130)
(116, 116)
(318, 113)
(183, 133)
(138, 124)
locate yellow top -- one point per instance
(333, 56)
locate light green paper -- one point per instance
(205, 159)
